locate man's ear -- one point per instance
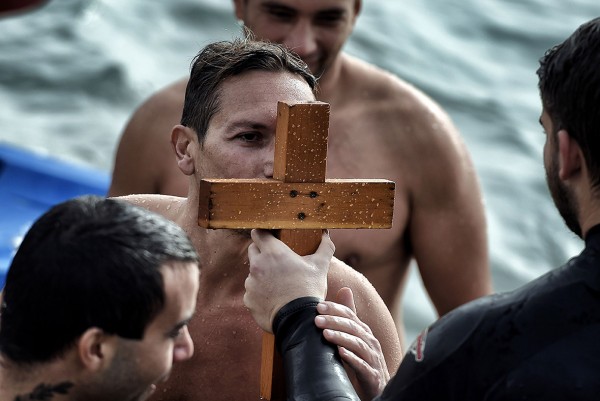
(182, 139)
(357, 7)
(570, 156)
(240, 6)
(96, 349)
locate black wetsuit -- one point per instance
(540, 342)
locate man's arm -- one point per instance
(145, 162)
(448, 227)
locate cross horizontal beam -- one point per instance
(273, 204)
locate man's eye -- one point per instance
(281, 13)
(249, 137)
(329, 19)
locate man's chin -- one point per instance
(316, 69)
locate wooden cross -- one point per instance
(298, 200)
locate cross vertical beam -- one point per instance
(300, 156)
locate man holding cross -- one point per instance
(228, 131)
(380, 127)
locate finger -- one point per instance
(253, 251)
(324, 253)
(342, 324)
(257, 237)
(326, 240)
(351, 334)
(368, 363)
(372, 381)
(354, 329)
(336, 309)
(247, 298)
(346, 297)
(354, 344)
(267, 242)
(360, 367)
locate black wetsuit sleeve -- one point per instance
(312, 365)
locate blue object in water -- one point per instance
(30, 184)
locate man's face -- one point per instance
(240, 139)
(563, 197)
(138, 365)
(315, 29)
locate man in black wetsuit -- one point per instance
(540, 342)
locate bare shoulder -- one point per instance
(407, 122)
(165, 205)
(144, 161)
(390, 94)
(164, 105)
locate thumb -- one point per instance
(346, 297)
(325, 251)
(263, 239)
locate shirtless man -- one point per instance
(228, 131)
(380, 127)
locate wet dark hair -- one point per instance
(222, 60)
(87, 262)
(569, 82)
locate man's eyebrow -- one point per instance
(246, 124)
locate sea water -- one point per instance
(73, 71)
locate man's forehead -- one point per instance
(272, 85)
(180, 285)
(181, 282)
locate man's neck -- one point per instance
(58, 391)
(330, 80)
(37, 383)
(589, 211)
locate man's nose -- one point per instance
(269, 155)
(302, 39)
(184, 347)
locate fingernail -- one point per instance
(322, 307)
(319, 320)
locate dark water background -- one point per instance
(73, 71)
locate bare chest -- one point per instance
(360, 150)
